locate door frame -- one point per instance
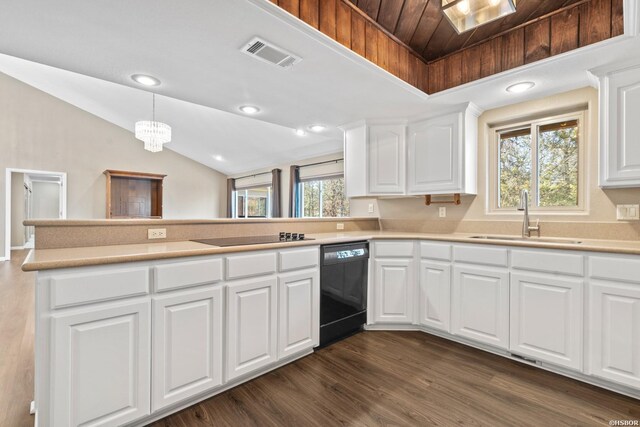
(7, 202)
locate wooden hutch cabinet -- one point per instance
(134, 194)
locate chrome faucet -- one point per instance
(524, 206)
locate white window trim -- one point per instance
(493, 169)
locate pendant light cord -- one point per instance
(153, 114)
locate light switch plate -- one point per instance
(371, 209)
(442, 212)
(627, 212)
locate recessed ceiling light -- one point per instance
(145, 80)
(218, 158)
(300, 132)
(520, 87)
(317, 128)
(249, 109)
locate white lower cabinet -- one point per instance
(187, 344)
(101, 364)
(547, 318)
(251, 325)
(394, 285)
(615, 331)
(299, 314)
(435, 295)
(480, 304)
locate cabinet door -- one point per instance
(614, 317)
(480, 304)
(435, 156)
(187, 344)
(620, 129)
(101, 359)
(435, 294)
(251, 326)
(394, 290)
(299, 315)
(546, 318)
(387, 159)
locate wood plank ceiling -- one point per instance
(412, 39)
(421, 25)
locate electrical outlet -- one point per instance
(371, 208)
(339, 226)
(157, 233)
(442, 212)
(627, 212)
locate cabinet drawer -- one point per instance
(298, 259)
(485, 255)
(254, 264)
(400, 249)
(615, 268)
(439, 251)
(190, 273)
(548, 261)
(94, 285)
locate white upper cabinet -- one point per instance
(386, 159)
(439, 156)
(619, 127)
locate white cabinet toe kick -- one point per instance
(574, 313)
(131, 343)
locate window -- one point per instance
(323, 198)
(543, 157)
(252, 203)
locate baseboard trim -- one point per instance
(579, 376)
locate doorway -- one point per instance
(31, 194)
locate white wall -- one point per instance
(357, 207)
(46, 200)
(40, 132)
(17, 210)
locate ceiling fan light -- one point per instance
(465, 15)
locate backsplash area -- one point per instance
(573, 229)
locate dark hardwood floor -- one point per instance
(373, 378)
(408, 379)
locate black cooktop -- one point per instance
(248, 240)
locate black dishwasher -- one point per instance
(343, 290)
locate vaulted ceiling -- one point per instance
(421, 25)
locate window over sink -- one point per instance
(543, 156)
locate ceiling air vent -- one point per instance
(267, 52)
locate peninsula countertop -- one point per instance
(48, 259)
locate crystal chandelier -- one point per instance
(154, 134)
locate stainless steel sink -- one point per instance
(529, 239)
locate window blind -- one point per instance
(320, 171)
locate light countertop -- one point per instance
(48, 259)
